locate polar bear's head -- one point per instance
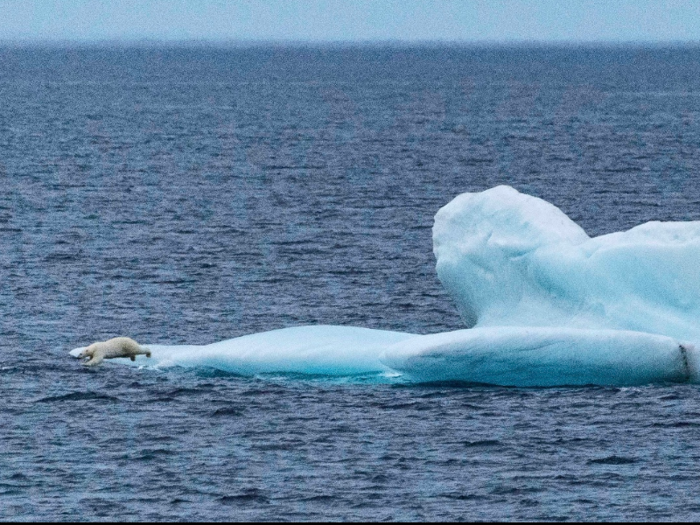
(88, 351)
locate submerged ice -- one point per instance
(545, 304)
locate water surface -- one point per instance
(189, 195)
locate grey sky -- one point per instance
(352, 20)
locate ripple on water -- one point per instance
(78, 396)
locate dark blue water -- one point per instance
(190, 195)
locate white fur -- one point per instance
(116, 347)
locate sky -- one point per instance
(352, 20)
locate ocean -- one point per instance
(188, 194)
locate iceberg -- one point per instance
(544, 303)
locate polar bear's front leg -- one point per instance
(96, 359)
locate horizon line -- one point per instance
(242, 43)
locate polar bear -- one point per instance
(116, 347)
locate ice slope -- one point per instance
(325, 350)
